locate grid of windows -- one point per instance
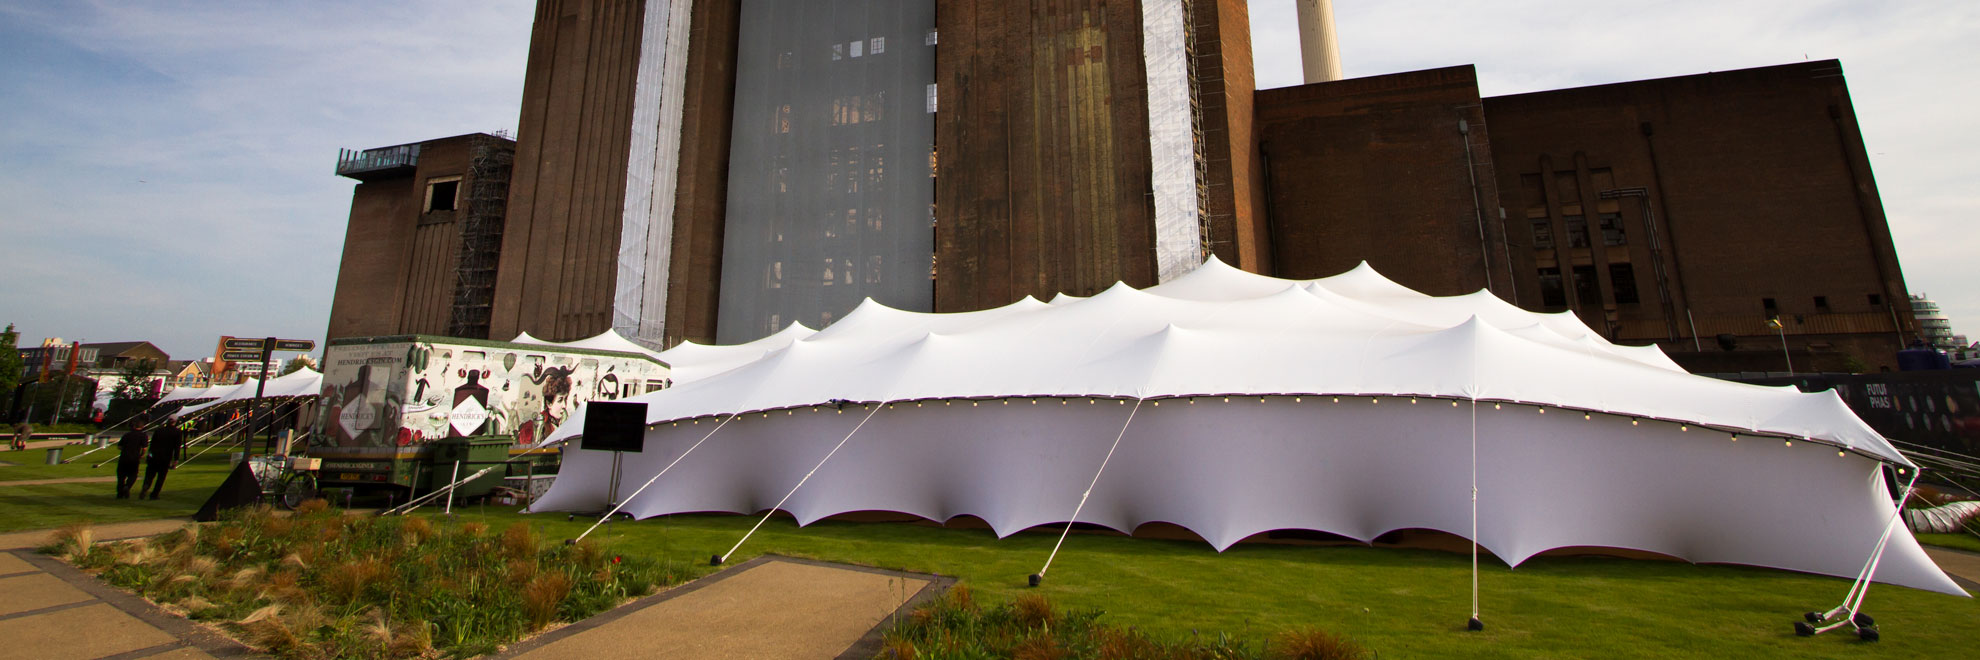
(1612, 229)
(812, 225)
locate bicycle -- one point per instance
(285, 480)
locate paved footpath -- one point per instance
(767, 607)
(65, 480)
(1963, 566)
(49, 610)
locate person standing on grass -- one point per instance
(130, 451)
(163, 456)
(22, 432)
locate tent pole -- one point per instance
(642, 487)
(1474, 623)
(717, 560)
(1039, 577)
(1853, 602)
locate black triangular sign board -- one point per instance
(239, 490)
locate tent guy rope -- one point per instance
(656, 477)
(718, 559)
(1039, 577)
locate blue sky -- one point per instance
(166, 167)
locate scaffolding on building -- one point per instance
(491, 159)
(1198, 143)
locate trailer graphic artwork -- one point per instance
(406, 391)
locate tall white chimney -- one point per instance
(1319, 49)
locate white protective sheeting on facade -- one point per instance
(1343, 405)
(301, 382)
(829, 180)
(1171, 142)
(646, 236)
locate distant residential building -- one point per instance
(193, 373)
(52, 356)
(119, 354)
(1933, 325)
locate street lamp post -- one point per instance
(1775, 323)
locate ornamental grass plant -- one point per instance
(323, 584)
(1031, 628)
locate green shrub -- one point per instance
(956, 626)
(324, 584)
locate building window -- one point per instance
(1543, 234)
(1772, 309)
(443, 193)
(1551, 293)
(1577, 231)
(1622, 278)
(928, 39)
(838, 52)
(856, 47)
(876, 45)
(931, 97)
(1586, 289)
(1612, 229)
(1822, 304)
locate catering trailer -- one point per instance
(405, 412)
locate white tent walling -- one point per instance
(1233, 404)
(304, 382)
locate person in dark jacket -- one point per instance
(163, 456)
(130, 451)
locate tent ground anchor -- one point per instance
(714, 560)
(1474, 625)
(1035, 579)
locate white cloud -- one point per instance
(166, 171)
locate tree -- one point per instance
(10, 360)
(76, 393)
(132, 393)
(296, 365)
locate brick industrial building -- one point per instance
(711, 170)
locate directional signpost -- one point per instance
(249, 350)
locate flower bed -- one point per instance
(322, 584)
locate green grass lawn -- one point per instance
(53, 505)
(1967, 542)
(1400, 603)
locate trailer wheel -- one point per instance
(298, 488)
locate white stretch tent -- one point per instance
(609, 340)
(689, 361)
(1349, 404)
(190, 394)
(301, 382)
